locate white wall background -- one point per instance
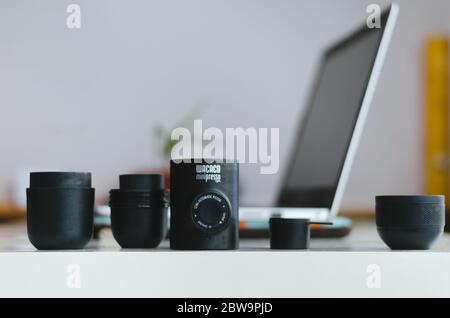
(88, 99)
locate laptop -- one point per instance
(332, 125)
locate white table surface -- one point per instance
(359, 265)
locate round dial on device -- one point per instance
(211, 212)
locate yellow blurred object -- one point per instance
(9, 211)
(437, 116)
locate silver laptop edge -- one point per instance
(321, 214)
(368, 97)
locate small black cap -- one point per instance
(288, 234)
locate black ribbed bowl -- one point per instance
(410, 222)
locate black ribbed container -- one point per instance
(60, 210)
(410, 222)
(139, 211)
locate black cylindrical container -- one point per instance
(410, 222)
(139, 211)
(60, 209)
(204, 204)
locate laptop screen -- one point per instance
(328, 124)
